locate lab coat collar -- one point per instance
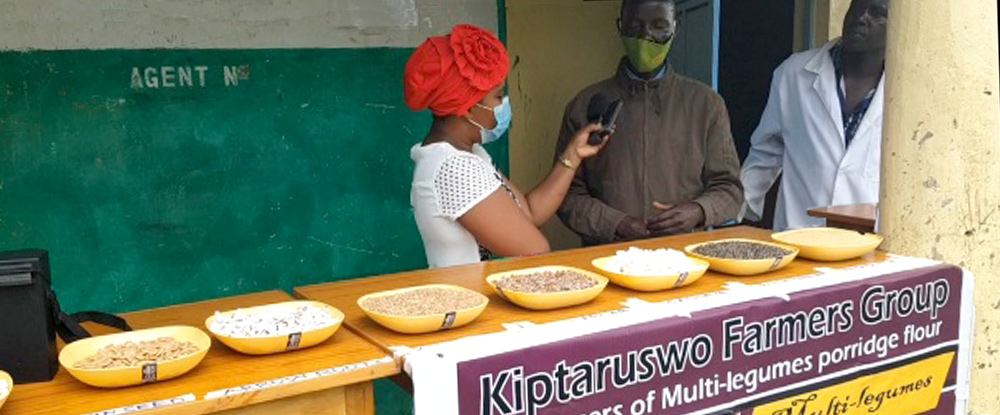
(821, 62)
(826, 85)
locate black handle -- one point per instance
(68, 325)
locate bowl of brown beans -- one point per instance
(546, 288)
(425, 308)
(135, 357)
(743, 256)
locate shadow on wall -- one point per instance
(559, 48)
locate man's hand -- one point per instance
(673, 220)
(631, 229)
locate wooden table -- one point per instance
(344, 295)
(343, 393)
(860, 218)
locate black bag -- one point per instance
(30, 317)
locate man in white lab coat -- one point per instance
(822, 127)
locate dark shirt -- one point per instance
(851, 117)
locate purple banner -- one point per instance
(746, 351)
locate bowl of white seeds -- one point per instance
(6, 385)
(651, 270)
(275, 328)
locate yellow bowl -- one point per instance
(424, 324)
(814, 243)
(549, 301)
(652, 283)
(278, 344)
(745, 266)
(5, 379)
(134, 375)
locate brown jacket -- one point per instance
(672, 144)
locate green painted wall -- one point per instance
(297, 174)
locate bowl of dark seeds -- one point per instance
(425, 308)
(546, 288)
(743, 256)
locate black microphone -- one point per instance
(603, 109)
(599, 103)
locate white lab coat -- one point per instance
(801, 134)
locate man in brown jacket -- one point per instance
(671, 166)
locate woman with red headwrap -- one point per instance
(460, 201)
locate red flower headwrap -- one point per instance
(450, 74)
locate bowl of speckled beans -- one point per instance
(275, 328)
(546, 288)
(425, 308)
(743, 256)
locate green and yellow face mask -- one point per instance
(646, 55)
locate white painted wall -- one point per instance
(233, 24)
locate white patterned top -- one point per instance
(447, 183)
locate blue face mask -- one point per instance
(502, 114)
